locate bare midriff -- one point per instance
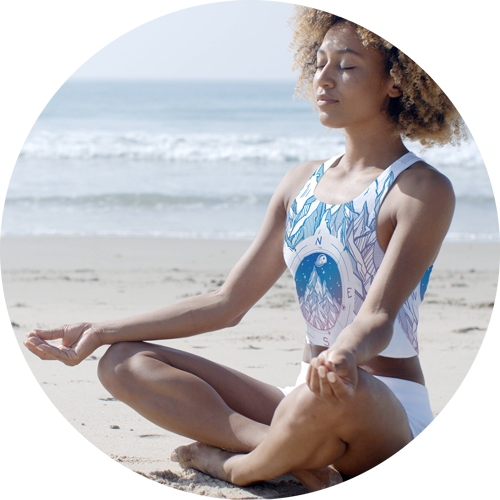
(403, 368)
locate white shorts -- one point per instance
(414, 398)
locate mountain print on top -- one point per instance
(351, 229)
(319, 289)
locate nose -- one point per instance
(324, 78)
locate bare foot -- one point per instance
(318, 479)
(206, 459)
(220, 464)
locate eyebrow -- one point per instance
(343, 51)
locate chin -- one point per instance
(327, 121)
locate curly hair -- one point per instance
(422, 113)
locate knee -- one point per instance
(302, 409)
(114, 368)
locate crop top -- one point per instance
(333, 254)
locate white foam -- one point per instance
(201, 147)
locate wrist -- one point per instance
(346, 346)
(339, 355)
(98, 331)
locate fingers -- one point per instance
(317, 381)
(312, 377)
(46, 351)
(327, 392)
(52, 334)
(75, 344)
(328, 382)
(33, 344)
(343, 389)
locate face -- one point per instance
(350, 83)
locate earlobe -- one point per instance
(394, 91)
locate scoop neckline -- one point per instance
(338, 158)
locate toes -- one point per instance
(186, 465)
(182, 454)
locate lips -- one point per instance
(324, 100)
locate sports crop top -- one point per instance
(333, 254)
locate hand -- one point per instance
(333, 376)
(78, 342)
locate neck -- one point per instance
(376, 146)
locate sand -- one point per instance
(49, 281)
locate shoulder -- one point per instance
(418, 213)
(422, 183)
(295, 178)
(424, 177)
(422, 193)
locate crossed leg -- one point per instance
(308, 434)
(190, 395)
(249, 431)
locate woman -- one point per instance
(359, 233)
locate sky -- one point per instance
(163, 39)
(192, 39)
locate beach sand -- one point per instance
(49, 281)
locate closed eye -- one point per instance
(342, 68)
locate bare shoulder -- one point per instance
(426, 184)
(422, 188)
(295, 179)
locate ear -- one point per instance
(393, 90)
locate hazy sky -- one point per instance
(182, 39)
(244, 39)
(206, 39)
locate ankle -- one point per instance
(237, 475)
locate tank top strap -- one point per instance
(401, 164)
(320, 171)
(308, 188)
(392, 173)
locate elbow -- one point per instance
(235, 321)
(231, 314)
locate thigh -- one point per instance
(244, 394)
(354, 436)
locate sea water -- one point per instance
(189, 160)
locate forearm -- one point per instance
(192, 316)
(366, 336)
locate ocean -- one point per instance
(189, 160)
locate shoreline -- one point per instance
(495, 240)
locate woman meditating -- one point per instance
(359, 232)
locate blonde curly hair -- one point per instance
(422, 113)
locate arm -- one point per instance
(253, 275)
(419, 210)
(249, 280)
